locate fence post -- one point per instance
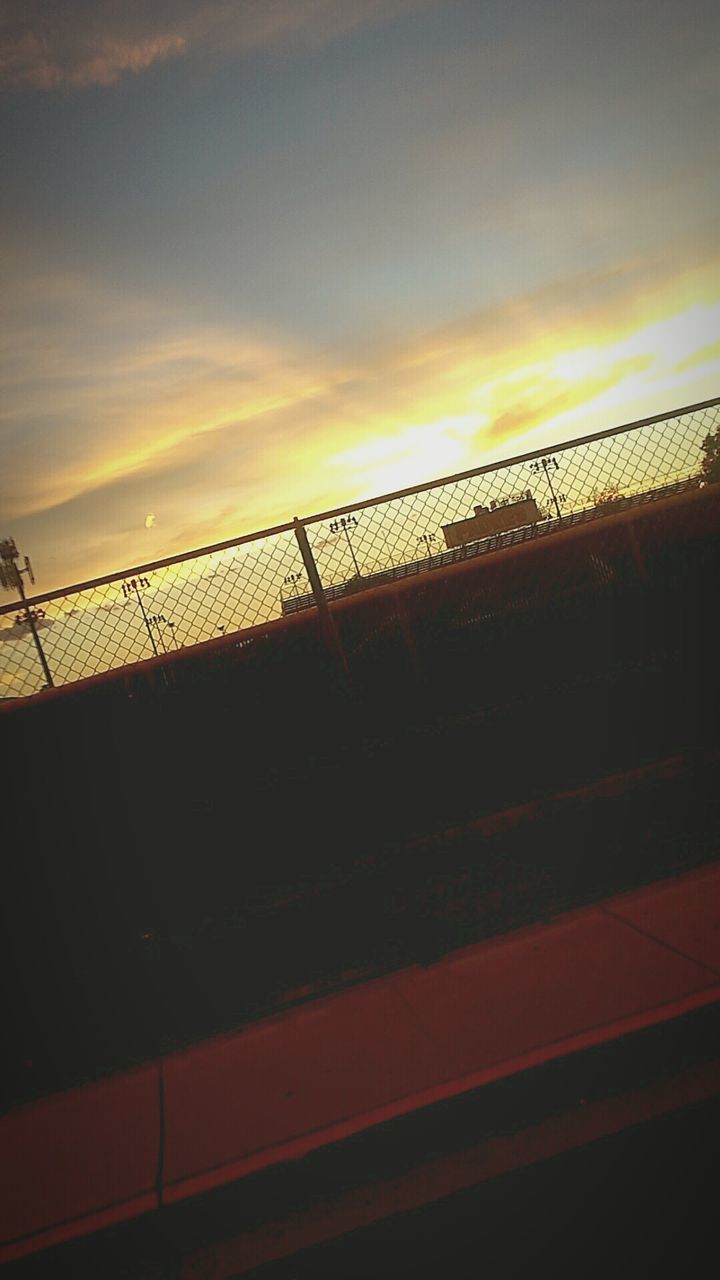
(327, 622)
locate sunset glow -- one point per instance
(277, 264)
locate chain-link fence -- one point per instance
(147, 612)
(154, 609)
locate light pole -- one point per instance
(428, 539)
(292, 580)
(11, 579)
(344, 525)
(134, 585)
(547, 465)
(155, 620)
(173, 633)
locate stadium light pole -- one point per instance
(547, 465)
(156, 619)
(134, 585)
(427, 538)
(292, 580)
(344, 525)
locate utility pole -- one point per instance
(11, 579)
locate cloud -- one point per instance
(98, 42)
(127, 389)
(32, 60)
(226, 431)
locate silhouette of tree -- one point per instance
(711, 461)
(604, 497)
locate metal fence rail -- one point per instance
(144, 612)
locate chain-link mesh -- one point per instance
(390, 538)
(151, 611)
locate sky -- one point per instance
(264, 257)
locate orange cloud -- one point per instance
(96, 43)
(30, 63)
(117, 57)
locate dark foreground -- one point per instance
(509, 739)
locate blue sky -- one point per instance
(251, 247)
